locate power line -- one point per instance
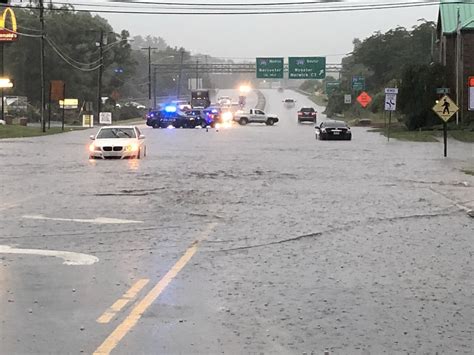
(67, 61)
(70, 58)
(226, 4)
(347, 8)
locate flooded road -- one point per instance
(252, 239)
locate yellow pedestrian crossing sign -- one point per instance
(445, 108)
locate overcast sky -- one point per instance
(249, 36)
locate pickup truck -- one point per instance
(255, 115)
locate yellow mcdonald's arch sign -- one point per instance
(8, 35)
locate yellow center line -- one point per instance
(132, 319)
(122, 302)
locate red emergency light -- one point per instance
(470, 81)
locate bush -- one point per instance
(378, 103)
(127, 112)
(335, 104)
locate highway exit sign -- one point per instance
(270, 68)
(306, 67)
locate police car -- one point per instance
(169, 116)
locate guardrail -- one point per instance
(303, 92)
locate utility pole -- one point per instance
(41, 9)
(178, 90)
(458, 59)
(154, 88)
(99, 78)
(197, 74)
(3, 73)
(149, 49)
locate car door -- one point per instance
(259, 116)
(141, 142)
(318, 128)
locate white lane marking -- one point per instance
(99, 220)
(69, 257)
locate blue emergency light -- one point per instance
(170, 109)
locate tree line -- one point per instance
(72, 54)
(400, 57)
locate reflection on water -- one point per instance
(133, 164)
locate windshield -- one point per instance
(116, 133)
(336, 124)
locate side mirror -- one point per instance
(141, 136)
(92, 137)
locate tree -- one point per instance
(417, 94)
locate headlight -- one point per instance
(227, 116)
(94, 148)
(323, 130)
(132, 147)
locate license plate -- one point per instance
(336, 133)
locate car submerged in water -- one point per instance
(333, 130)
(117, 142)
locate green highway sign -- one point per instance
(306, 67)
(270, 68)
(358, 83)
(332, 86)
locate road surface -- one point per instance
(253, 239)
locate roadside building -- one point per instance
(455, 39)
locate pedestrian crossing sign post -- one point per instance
(445, 108)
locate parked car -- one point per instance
(333, 130)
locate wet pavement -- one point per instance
(247, 240)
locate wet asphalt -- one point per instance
(360, 247)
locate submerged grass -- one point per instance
(15, 131)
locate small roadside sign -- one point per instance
(87, 120)
(471, 99)
(442, 91)
(471, 93)
(445, 108)
(69, 104)
(390, 102)
(347, 99)
(391, 91)
(364, 99)
(105, 118)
